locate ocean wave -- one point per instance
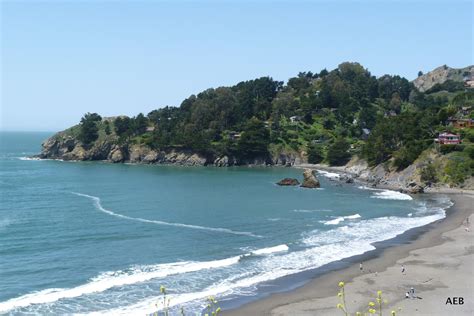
(340, 219)
(371, 230)
(269, 250)
(133, 275)
(99, 206)
(327, 174)
(109, 280)
(391, 195)
(311, 211)
(272, 268)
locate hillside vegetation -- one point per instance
(326, 117)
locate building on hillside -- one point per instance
(295, 118)
(150, 128)
(234, 135)
(465, 110)
(469, 82)
(365, 133)
(448, 139)
(461, 122)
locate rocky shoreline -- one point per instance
(63, 146)
(66, 147)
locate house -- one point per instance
(295, 119)
(465, 110)
(150, 128)
(234, 135)
(448, 139)
(365, 133)
(461, 122)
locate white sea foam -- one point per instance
(271, 269)
(109, 280)
(327, 174)
(391, 195)
(29, 158)
(134, 275)
(310, 211)
(99, 206)
(340, 219)
(269, 250)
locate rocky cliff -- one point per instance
(441, 75)
(65, 146)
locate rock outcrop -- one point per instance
(441, 75)
(310, 180)
(288, 182)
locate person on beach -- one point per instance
(403, 269)
(412, 293)
(361, 268)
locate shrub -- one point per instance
(428, 174)
(446, 149)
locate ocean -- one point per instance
(99, 238)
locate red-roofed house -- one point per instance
(448, 139)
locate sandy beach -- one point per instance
(439, 264)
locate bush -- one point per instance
(446, 149)
(428, 174)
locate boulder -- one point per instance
(346, 178)
(288, 181)
(310, 180)
(414, 188)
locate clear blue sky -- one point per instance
(61, 59)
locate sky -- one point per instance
(61, 59)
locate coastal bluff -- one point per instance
(66, 146)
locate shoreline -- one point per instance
(318, 294)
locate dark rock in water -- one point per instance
(310, 180)
(346, 178)
(288, 181)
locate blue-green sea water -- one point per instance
(100, 238)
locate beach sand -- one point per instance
(439, 264)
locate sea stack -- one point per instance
(310, 180)
(288, 181)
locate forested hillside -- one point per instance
(328, 116)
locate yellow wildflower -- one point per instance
(162, 289)
(379, 293)
(339, 294)
(339, 306)
(372, 311)
(341, 284)
(393, 313)
(371, 304)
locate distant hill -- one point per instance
(441, 75)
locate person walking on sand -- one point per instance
(403, 269)
(361, 268)
(412, 292)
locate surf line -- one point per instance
(99, 206)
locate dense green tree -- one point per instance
(254, 140)
(338, 153)
(315, 153)
(88, 130)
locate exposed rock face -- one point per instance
(64, 145)
(288, 181)
(414, 188)
(310, 180)
(116, 155)
(440, 75)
